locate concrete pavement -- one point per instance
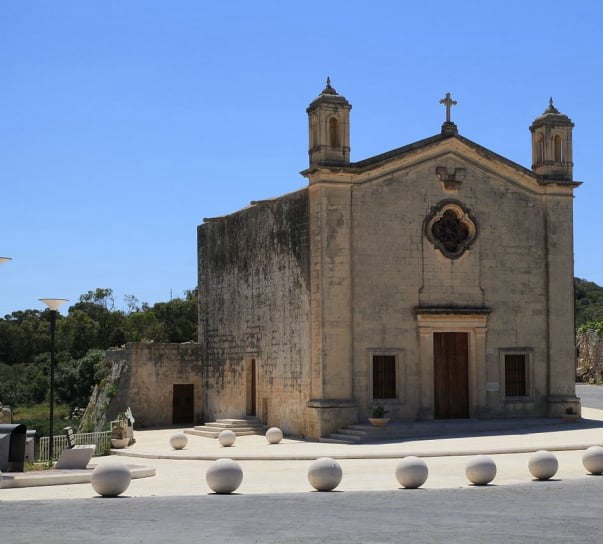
(282, 468)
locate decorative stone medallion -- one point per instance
(450, 228)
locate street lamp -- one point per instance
(4, 260)
(53, 305)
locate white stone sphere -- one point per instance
(274, 435)
(227, 438)
(178, 441)
(543, 465)
(224, 476)
(411, 472)
(110, 478)
(592, 459)
(325, 474)
(480, 470)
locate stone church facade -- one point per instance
(435, 279)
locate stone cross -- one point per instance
(448, 102)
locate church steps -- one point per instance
(241, 427)
(397, 430)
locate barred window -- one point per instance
(384, 377)
(516, 375)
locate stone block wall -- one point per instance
(147, 381)
(254, 312)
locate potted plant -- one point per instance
(379, 419)
(119, 432)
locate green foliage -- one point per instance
(91, 326)
(36, 417)
(379, 411)
(589, 301)
(596, 326)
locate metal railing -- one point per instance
(101, 439)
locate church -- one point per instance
(435, 280)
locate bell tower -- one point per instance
(329, 128)
(552, 145)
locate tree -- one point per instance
(589, 301)
(179, 317)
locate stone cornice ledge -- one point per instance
(419, 310)
(332, 403)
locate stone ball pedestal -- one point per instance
(592, 459)
(110, 478)
(178, 441)
(224, 476)
(274, 435)
(480, 470)
(411, 472)
(543, 465)
(227, 438)
(325, 474)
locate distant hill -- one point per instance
(589, 301)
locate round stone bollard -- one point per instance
(592, 459)
(274, 435)
(480, 470)
(224, 476)
(110, 478)
(227, 438)
(543, 465)
(178, 441)
(411, 472)
(325, 474)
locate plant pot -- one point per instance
(119, 443)
(379, 421)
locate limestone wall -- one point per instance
(590, 356)
(397, 269)
(254, 312)
(147, 381)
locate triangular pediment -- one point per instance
(442, 148)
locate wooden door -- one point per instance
(183, 403)
(451, 375)
(252, 389)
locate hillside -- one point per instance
(589, 301)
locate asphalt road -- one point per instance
(591, 395)
(552, 512)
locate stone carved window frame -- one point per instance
(528, 354)
(463, 215)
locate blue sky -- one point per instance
(124, 124)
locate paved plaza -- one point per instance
(275, 492)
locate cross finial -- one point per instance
(551, 108)
(328, 89)
(448, 102)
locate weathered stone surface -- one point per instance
(147, 378)
(590, 356)
(254, 306)
(299, 294)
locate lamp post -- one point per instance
(53, 305)
(4, 260)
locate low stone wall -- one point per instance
(147, 381)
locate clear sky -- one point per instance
(124, 124)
